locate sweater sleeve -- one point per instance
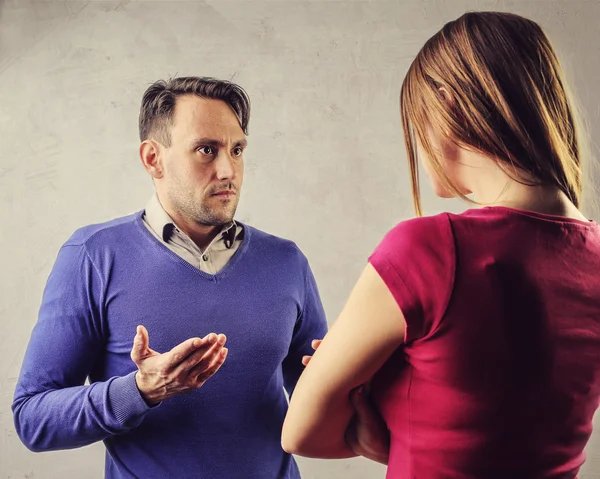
(416, 260)
(52, 407)
(311, 324)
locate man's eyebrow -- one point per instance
(214, 142)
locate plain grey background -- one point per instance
(325, 167)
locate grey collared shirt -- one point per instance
(213, 259)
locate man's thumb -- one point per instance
(140, 348)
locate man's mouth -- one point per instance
(224, 193)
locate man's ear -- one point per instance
(151, 156)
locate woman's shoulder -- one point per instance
(421, 231)
(417, 262)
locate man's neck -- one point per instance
(202, 235)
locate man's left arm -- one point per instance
(311, 324)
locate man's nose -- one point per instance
(225, 166)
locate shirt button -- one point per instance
(205, 257)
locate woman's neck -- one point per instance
(492, 185)
(548, 200)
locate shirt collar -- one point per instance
(160, 221)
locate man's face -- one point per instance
(203, 168)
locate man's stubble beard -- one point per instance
(203, 215)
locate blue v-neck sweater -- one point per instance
(111, 277)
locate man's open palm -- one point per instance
(183, 369)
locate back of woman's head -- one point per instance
(491, 82)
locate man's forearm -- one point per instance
(72, 417)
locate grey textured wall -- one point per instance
(325, 166)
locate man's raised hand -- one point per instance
(183, 369)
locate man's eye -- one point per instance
(206, 150)
(237, 151)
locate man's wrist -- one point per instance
(146, 396)
(126, 402)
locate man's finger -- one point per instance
(216, 364)
(306, 360)
(180, 352)
(200, 360)
(140, 349)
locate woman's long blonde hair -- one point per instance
(508, 101)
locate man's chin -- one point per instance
(220, 220)
(227, 218)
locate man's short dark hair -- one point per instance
(158, 103)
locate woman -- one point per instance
(480, 332)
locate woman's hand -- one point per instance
(367, 435)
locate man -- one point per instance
(184, 278)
